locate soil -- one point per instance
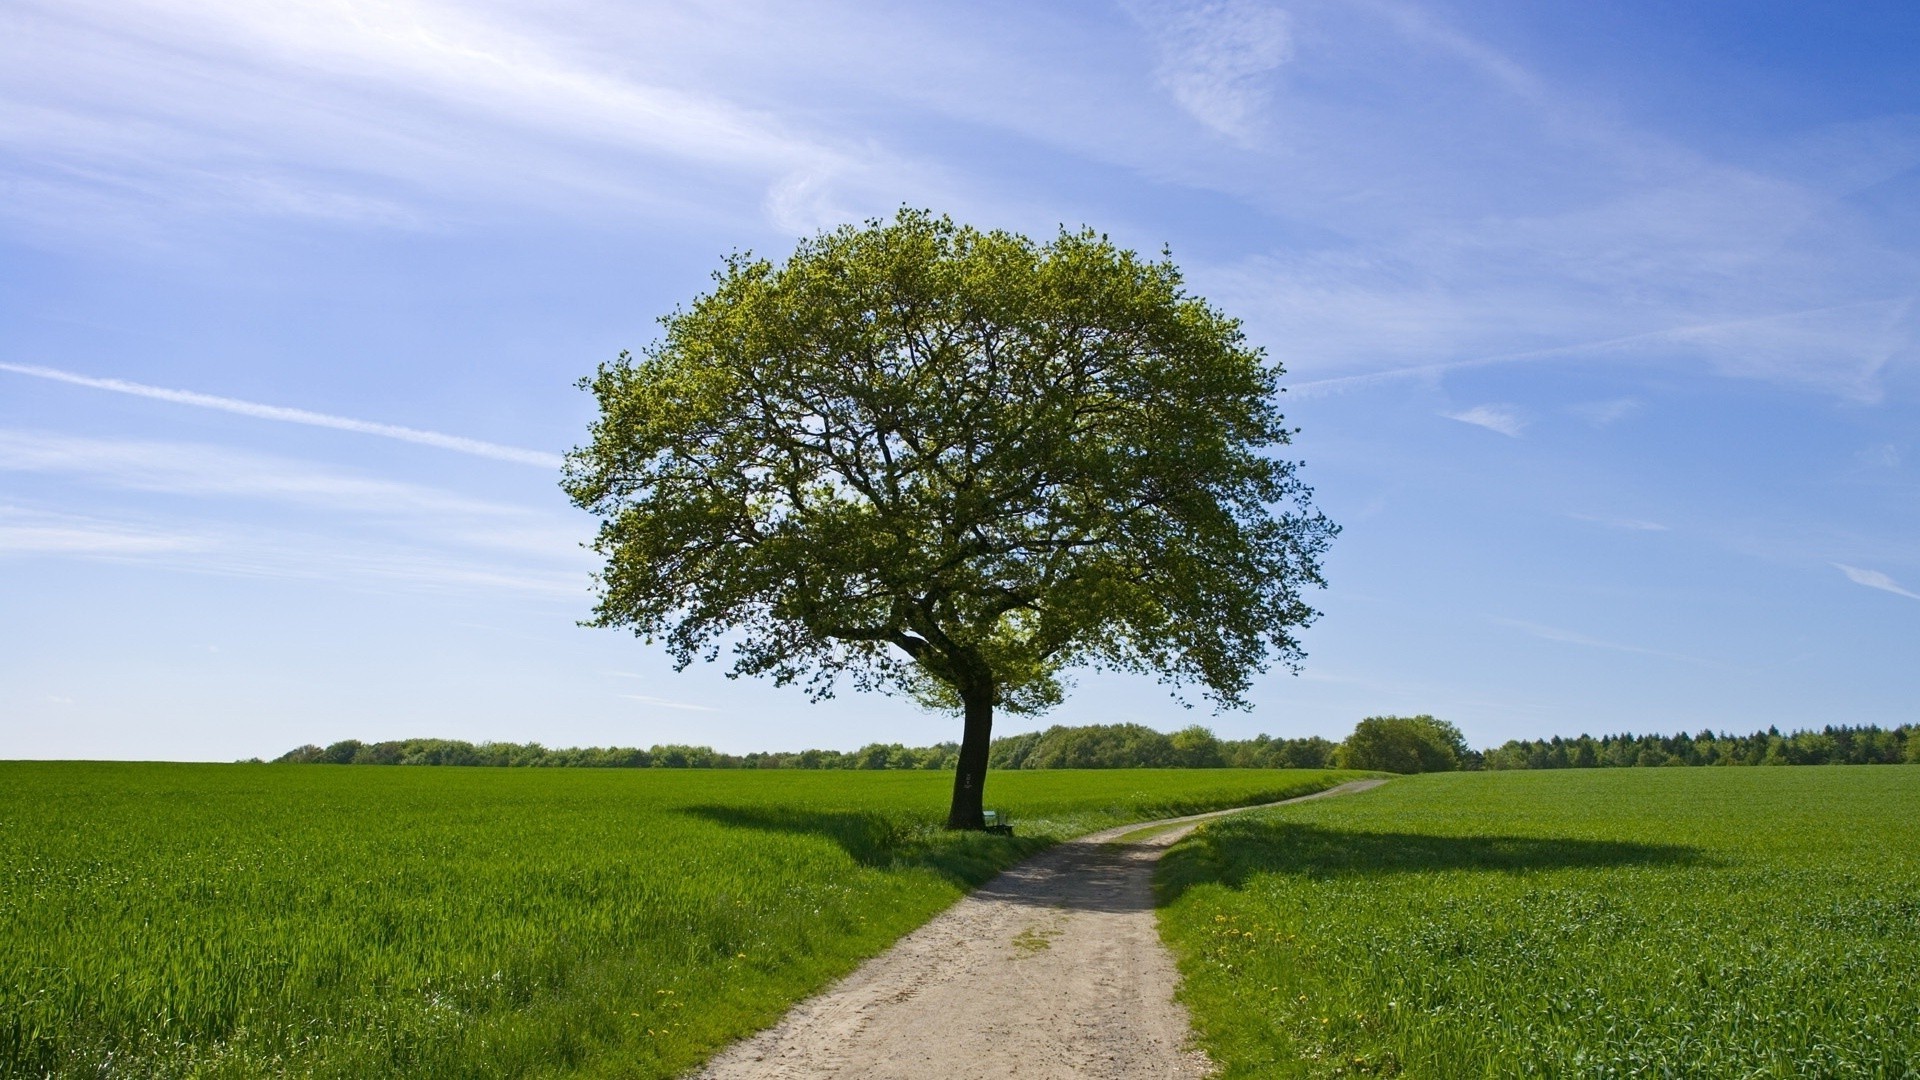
(1054, 969)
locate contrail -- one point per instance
(296, 416)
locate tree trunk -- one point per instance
(970, 778)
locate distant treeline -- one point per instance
(1828, 746)
(671, 756)
(1102, 746)
(1133, 746)
(1397, 744)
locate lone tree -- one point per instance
(954, 463)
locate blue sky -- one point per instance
(1600, 323)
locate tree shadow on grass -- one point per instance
(1233, 852)
(886, 842)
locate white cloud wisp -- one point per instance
(1501, 418)
(1215, 58)
(285, 415)
(1874, 579)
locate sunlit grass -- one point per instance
(340, 921)
(1675, 922)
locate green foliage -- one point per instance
(1678, 922)
(1831, 745)
(1266, 752)
(241, 921)
(951, 462)
(1403, 744)
(1134, 746)
(533, 755)
(1097, 746)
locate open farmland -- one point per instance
(218, 920)
(1696, 922)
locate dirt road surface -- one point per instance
(1052, 970)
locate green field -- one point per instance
(1590, 923)
(337, 921)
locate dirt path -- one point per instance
(1054, 969)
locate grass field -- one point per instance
(1591, 923)
(329, 921)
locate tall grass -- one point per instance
(1699, 922)
(216, 921)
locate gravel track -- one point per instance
(1053, 969)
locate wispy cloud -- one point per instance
(29, 532)
(1838, 349)
(665, 704)
(1881, 456)
(1504, 419)
(197, 469)
(1630, 524)
(1564, 235)
(1216, 57)
(388, 113)
(1470, 360)
(1841, 348)
(285, 415)
(1569, 637)
(1439, 36)
(237, 513)
(1606, 413)
(229, 486)
(226, 550)
(1874, 579)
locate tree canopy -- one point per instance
(1404, 744)
(954, 463)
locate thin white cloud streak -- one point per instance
(1732, 344)
(1874, 579)
(361, 533)
(213, 471)
(1630, 524)
(359, 529)
(1501, 418)
(661, 702)
(222, 550)
(1568, 637)
(1423, 27)
(350, 500)
(28, 532)
(497, 69)
(1606, 413)
(665, 704)
(285, 415)
(1434, 371)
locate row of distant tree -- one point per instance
(1101, 746)
(1828, 746)
(668, 756)
(1402, 744)
(1135, 746)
